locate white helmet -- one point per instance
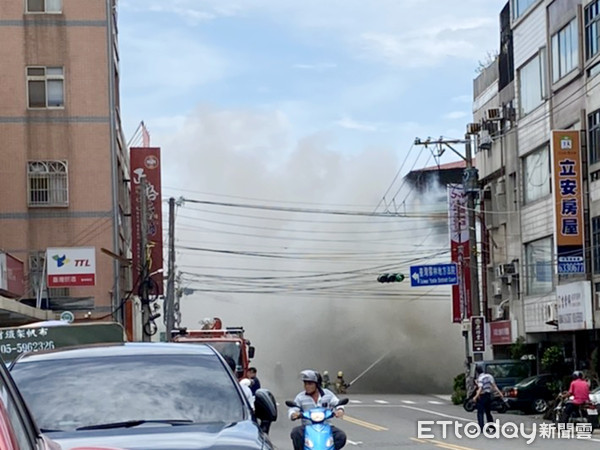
(310, 375)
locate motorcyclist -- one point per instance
(340, 383)
(313, 396)
(580, 390)
(326, 380)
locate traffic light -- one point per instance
(390, 277)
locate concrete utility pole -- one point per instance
(144, 269)
(471, 187)
(170, 299)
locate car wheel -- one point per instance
(539, 405)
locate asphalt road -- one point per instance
(391, 422)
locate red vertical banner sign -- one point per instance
(460, 254)
(145, 163)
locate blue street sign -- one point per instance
(433, 275)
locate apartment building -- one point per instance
(63, 161)
(540, 208)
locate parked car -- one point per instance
(533, 394)
(18, 430)
(506, 372)
(595, 396)
(142, 396)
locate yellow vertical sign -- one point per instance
(568, 195)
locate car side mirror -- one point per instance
(265, 406)
(251, 352)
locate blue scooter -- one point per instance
(317, 434)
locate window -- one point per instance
(44, 6)
(536, 175)
(596, 243)
(47, 183)
(564, 51)
(594, 136)
(592, 35)
(532, 86)
(45, 87)
(538, 255)
(37, 261)
(520, 6)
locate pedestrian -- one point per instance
(255, 382)
(486, 385)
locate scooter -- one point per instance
(585, 413)
(497, 404)
(317, 434)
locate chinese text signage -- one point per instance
(500, 332)
(478, 333)
(459, 247)
(574, 306)
(145, 164)
(568, 205)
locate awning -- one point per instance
(13, 313)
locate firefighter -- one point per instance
(340, 383)
(326, 380)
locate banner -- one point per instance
(574, 306)
(145, 163)
(460, 254)
(568, 204)
(71, 266)
(500, 332)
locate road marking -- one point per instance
(421, 441)
(355, 401)
(362, 423)
(382, 402)
(410, 402)
(449, 446)
(435, 402)
(437, 413)
(348, 441)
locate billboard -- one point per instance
(11, 276)
(460, 253)
(574, 306)
(500, 332)
(70, 266)
(145, 164)
(568, 206)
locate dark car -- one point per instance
(18, 430)
(142, 396)
(533, 394)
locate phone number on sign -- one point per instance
(23, 347)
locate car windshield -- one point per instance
(231, 349)
(74, 393)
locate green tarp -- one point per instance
(14, 341)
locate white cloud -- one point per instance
(463, 99)
(319, 67)
(352, 124)
(456, 115)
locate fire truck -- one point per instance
(228, 341)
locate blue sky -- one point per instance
(367, 75)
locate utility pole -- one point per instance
(170, 300)
(144, 269)
(470, 187)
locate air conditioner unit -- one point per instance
(501, 187)
(551, 312)
(473, 128)
(508, 112)
(493, 114)
(497, 288)
(499, 270)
